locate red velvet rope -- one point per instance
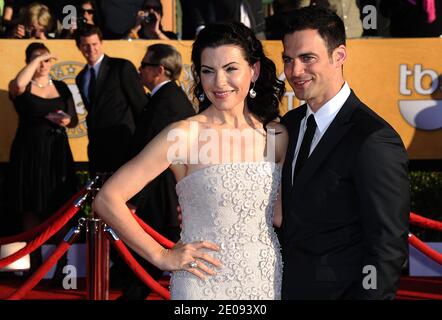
(42, 238)
(418, 295)
(29, 234)
(425, 222)
(39, 274)
(425, 249)
(154, 234)
(128, 258)
(139, 271)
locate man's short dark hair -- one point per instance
(328, 24)
(167, 56)
(87, 30)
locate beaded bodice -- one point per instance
(232, 205)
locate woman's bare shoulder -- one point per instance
(186, 123)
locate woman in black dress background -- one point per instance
(42, 175)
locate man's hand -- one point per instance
(19, 31)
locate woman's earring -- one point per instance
(252, 92)
(201, 97)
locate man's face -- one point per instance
(149, 72)
(314, 76)
(91, 47)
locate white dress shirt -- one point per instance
(323, 117)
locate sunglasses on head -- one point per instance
(90, 11)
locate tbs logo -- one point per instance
(421, 114)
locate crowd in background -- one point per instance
(142, 19)
(117, 132)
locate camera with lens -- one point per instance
(31, 33)
(149, 18)
(81, 21)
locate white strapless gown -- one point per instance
(232, 206)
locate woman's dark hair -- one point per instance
(32, 47)
(269, 90)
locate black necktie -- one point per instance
(92, 83)
(304, 151)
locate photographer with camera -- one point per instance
(34, 22)
(148, 23)
(87, 14)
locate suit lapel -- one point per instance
(102, 75)
(163, 91)
(80, 85)
(335, 132)
(294, 138)
(293, 128)
(159, 95)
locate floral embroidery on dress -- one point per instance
(232, 205)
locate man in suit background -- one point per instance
(199, 13)
(413, 18)
(118, 16)
(347, 10)
(156, 203)
(114, 98)
(345, 188)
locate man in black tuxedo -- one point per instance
(114, 98)
(345, 188)
(157, 203)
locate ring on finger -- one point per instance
(193, 264)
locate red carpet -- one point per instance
(420, 288)
(46, 291)
(410, 288)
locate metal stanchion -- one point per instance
(105, 264)
(97, 270)
(97, 260)
(97, 263)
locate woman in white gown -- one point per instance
(227, 161)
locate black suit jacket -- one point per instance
(401, 12)
(204, 12)
(347, 211)
(118, 16)
(157, 202)
(118, 103)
